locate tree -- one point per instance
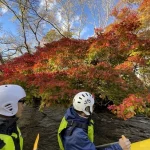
(142, 13)
(53, 35)
(21, 17)
(132, 1)
(29, 20)
(143, 10)
(69, 16)
(103, 65)
(100, 11)
(34, 19)
(73, 16)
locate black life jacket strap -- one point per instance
(16, 140)
(2, 144)
(75, 124)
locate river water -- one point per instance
(108, 128)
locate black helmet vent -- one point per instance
(83, 95)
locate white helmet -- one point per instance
(82, 101)
(9, 96)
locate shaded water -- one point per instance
(107, 127)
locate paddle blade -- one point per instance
(36, 142)
(142, 145)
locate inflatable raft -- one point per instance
(141, 145)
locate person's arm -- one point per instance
(111, 147)
(78, 141)
(114, 147)
(124, 144)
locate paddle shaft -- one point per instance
(105, 145)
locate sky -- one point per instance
(10, 26)
(7, 23)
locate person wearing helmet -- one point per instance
(11, 107)
(76, 130)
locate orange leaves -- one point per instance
(127, 21)
(145, 5)
(148, 98)
(124, 12)
(104, 65)
(124, 66)
(115, 12)
(144, 16)
(98, 31)
(129, 64)
(129, 107)
(136, 59)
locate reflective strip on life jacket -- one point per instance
(8, 140)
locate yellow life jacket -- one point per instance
(8, 141)
(64, 125)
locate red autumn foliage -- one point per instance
(129, 107)
(102, 65)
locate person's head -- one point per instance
(83, 103)
(11, 100)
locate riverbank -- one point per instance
(108, 128)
